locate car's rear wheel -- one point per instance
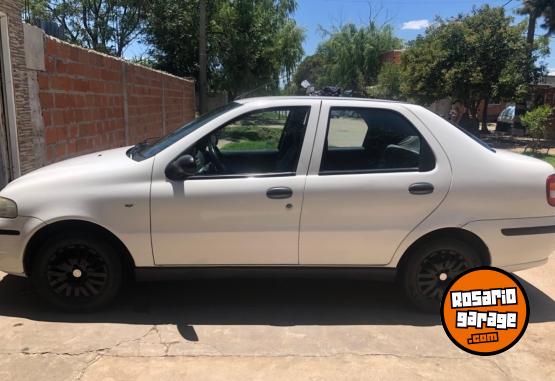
(77, 273)
(431, 267)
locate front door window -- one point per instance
(261, 142)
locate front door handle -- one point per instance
(279, 192)
(421, 188)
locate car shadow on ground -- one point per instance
(277, 302)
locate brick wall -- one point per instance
(91, 101)
(393, 56)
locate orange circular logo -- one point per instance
(485, 311)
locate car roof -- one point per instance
(302, 97)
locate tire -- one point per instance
(77, 273)
(431, 267)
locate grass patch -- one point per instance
(250, 138)
(248, 145)
(548, 158)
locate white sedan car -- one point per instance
(282, 183)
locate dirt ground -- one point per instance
(260, 330)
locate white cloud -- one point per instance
(416, 24)
(552, 72)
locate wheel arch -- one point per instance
(457, 233)
(73, 226)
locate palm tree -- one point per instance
(536, 9)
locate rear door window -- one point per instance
(373, 140)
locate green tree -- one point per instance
(143, 60)
(35, 11)
(350, 57)
(108, 26)
(536, 121)
(536, 9)
(475, 57)
(389, 83)
(172, 31)
(310, 69)
(251, 44)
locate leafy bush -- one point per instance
(251, 133)
(536, 122)
(389, 83)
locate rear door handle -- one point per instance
(279, 192)
(421, 188)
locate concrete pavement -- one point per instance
(260, 329)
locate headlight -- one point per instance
(8, 208)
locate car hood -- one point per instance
(94, 167)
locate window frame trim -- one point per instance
(241, 176)
(368, 171)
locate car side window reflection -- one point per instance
(373, 140)
(266, 141)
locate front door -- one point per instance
(243, 205)
(372, 179)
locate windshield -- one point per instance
(143, 150)
(509, 112)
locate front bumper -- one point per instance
(14, 235)
(518, 243)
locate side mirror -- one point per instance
(181, 168)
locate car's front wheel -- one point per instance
(430, 268)
(79, 273)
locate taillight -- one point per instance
(550, 189)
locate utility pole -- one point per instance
(203, 78)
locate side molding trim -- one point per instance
(529, 231)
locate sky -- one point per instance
(409, 18)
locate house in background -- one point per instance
(393, 56)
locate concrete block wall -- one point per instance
(91, 101)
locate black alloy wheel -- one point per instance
(430, 268)
(80, 273)
(77, 271)
(438, 270)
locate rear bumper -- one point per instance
(14, 234)
(519, 243)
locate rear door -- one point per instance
(376, 172)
